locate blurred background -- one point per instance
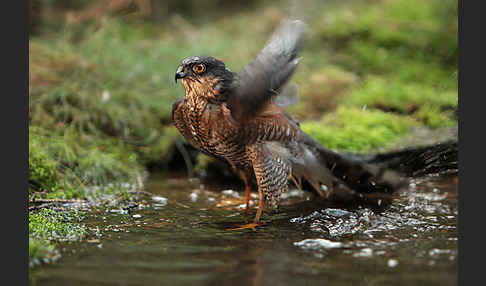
(376, 75)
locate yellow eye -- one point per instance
(199, 68)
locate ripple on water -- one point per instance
(183, 242)
(418, 212)
(336, 222)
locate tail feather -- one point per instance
(439, 159)
(340, 177)
(308, 166)
(370, 177)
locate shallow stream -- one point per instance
(183, 236)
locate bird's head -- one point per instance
(204, 77)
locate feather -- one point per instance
(267, 74)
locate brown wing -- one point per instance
(265, 76)
(272, 123)
(283, 136)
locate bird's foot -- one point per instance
(251, 226)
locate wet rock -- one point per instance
(392, 262)
(159, 200)
(193, 197)
(365, 252)
(318, 243)
(231, 193)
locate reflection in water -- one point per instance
(257, 268)
(181, 237)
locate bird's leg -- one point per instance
(259, 211)
(247, 200)
(248, 190)
(272, 174)
(257, 217)
(258, 214)
(260, 207)
(244, 177)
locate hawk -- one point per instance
(239, 118)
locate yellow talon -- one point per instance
(251, 226)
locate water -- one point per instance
(183, 237)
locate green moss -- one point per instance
(56, 225)
(410, 27)
(404, 51)
(42, 251)
(43, 174)
(65, 165)
(433, 117)
(48, 227)
(162, 149)
(354, 129)
(320, 89)
(432, 106)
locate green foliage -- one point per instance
(354, 129)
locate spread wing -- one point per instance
(267, 74)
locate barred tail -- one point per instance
(372, 177)
(343, 178)
(437, 160)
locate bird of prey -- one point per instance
(239, 118)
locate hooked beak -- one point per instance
(179, 73)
